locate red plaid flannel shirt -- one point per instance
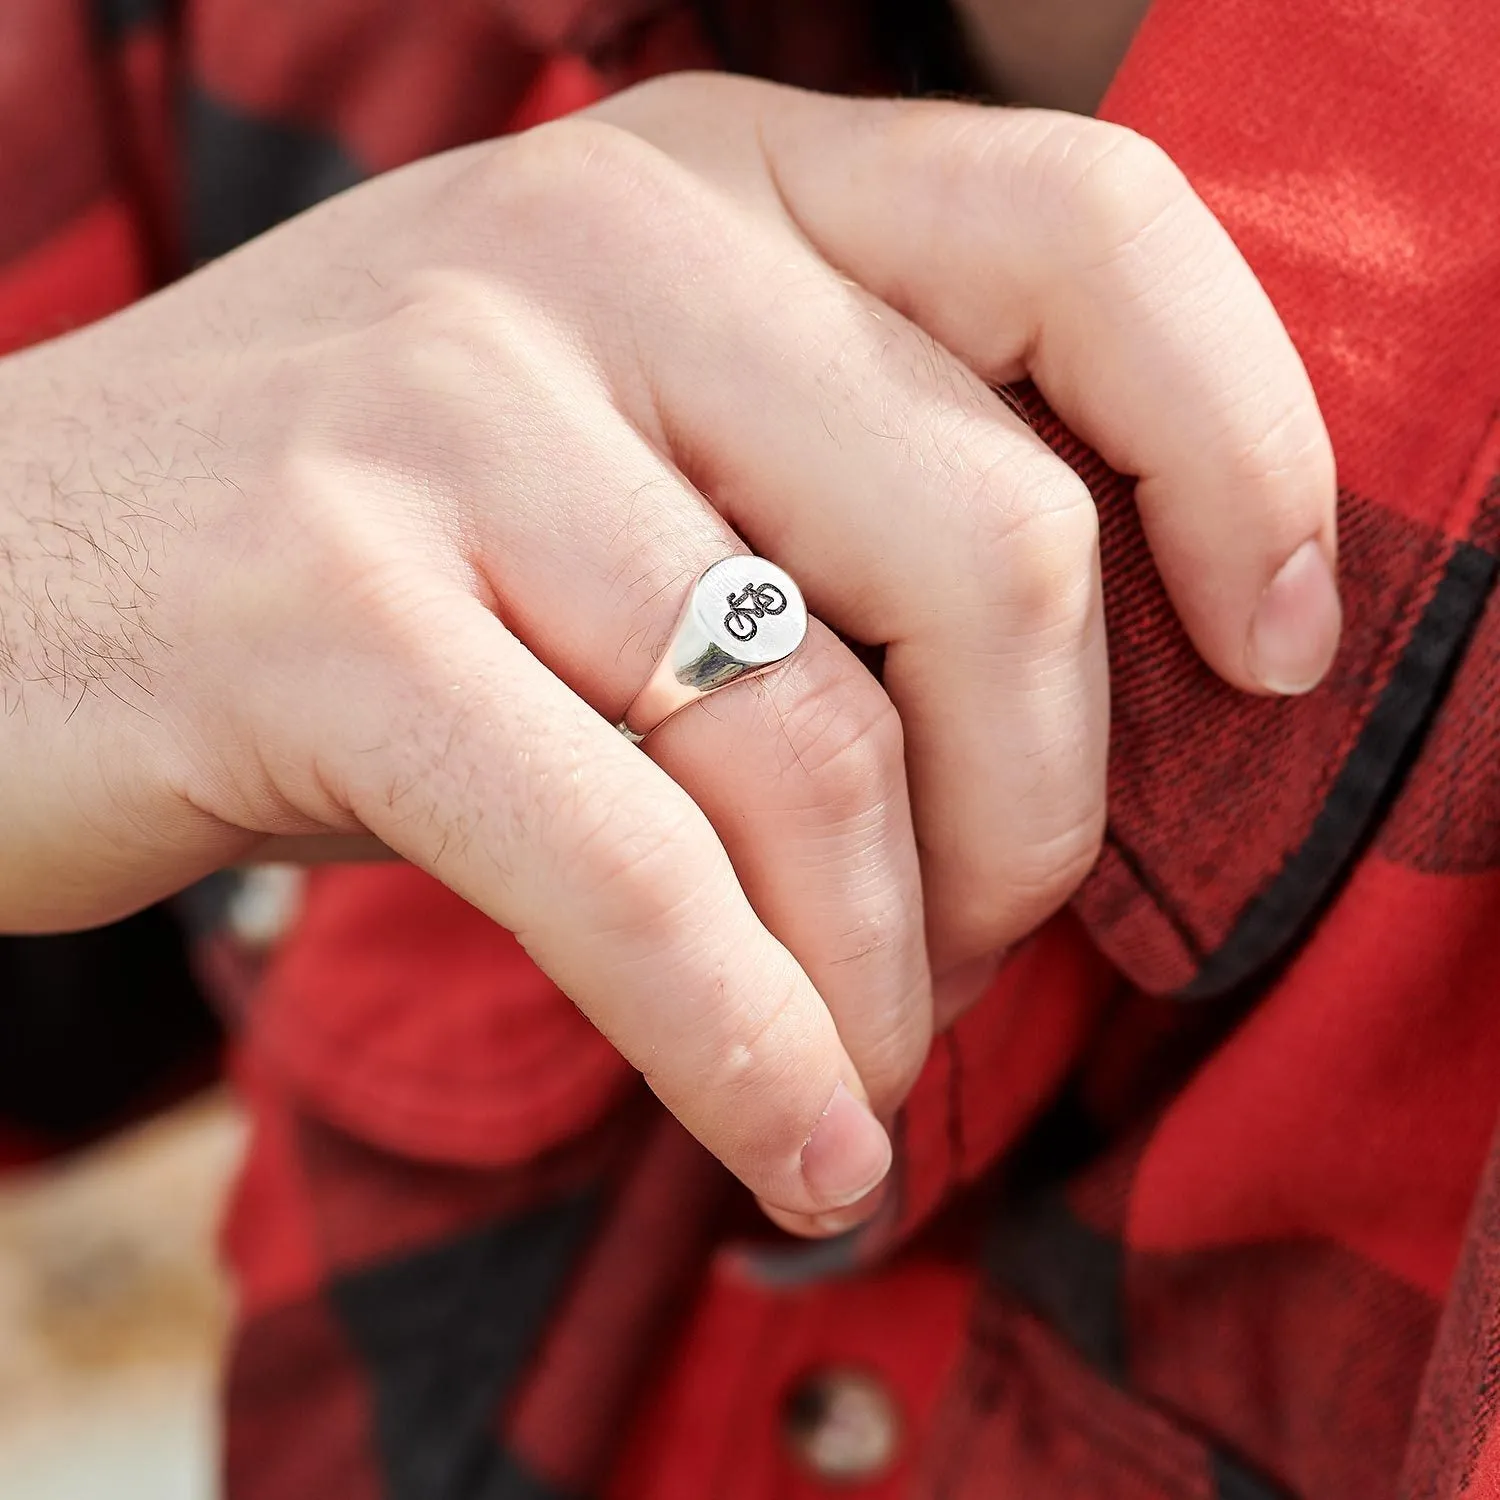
(1201, 1200)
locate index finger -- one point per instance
(1035, 243)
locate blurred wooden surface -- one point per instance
(112, 1314)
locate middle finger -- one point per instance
(922, 514)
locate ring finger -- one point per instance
(800, 772)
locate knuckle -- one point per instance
(691, 95)
(451, 364)
(979, 916)
(386, 598)
(891, 1063)
(1003, 901)
(584, 185)
(397, 387)
(1049, 872)
(951, 147)
(1110, 185)
(890, 1034)
(314, 555)
(544, 164)
(844, 731)
(951, 154)
(1040, 548)
(439, 307)
(420, 357)
(1289, 458)
(604, 233)
(925, 141)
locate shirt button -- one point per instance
(842, 1425)
(265, 905)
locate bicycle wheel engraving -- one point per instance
(740, 623)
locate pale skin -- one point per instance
(374, 527)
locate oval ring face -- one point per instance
(751, 610)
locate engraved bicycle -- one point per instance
(751, 605)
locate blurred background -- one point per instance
(112, 1313)
(118, 1144)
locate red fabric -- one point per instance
(88, 267)
(1202, 1200)
(1347, 1127)
(713, 1437)
(492, 1065)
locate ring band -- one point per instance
(743, 616)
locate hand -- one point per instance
(374, 526)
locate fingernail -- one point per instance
(836, 1221)
(1295, 631)
(847, 1153)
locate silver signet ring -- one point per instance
(742, 617)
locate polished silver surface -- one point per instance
(742, 616)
